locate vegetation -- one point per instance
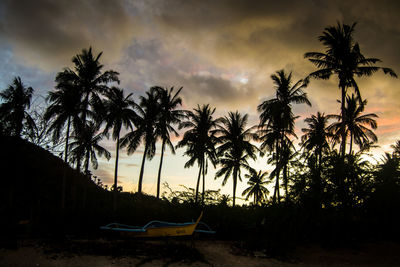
(323, 187)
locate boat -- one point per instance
(158, 229)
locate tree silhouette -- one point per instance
(355, 124)
(13, 114)
(257, 186)
(199, 140)
(344, 59)
(316, 136)
(396, 148)
(65, 107)
(235, 147)
(119, 112)
(91, 81)
(168, 116)
(148, 113)
(277, 119)
(86, 143)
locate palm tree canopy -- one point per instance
(356, 124)
(145, 122)
(342, 57)
(65, 103)
(200, 138)
(88, 76)
(257, 186)
(169, 114)
(396, 148)
(87, 144)
(17, 99)
(316, 136)
(235, 147)
(119, 111)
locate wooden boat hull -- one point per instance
(154, 229)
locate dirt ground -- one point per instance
(183, 253)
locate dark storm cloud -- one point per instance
(48, 33)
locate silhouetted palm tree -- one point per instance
(316, 136)
(65, 107)
(16, 100)
(355, 124)
(277, 119)
(148, 114)
(86, 143)
(199, 140)
(119, 112)
(257, 186)
(343, 58)
(168, 116)
(235, 147)
(88, 76)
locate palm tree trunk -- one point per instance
(116, 175)
(67, 140)
(277, 170)
(234, 186)
(343, 145)
(87, 162)
(351, 143)
(285, 180)
(198, 182)
(204, 177)
(141, 171)
(64, 179)
(159, 169)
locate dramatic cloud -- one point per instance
(48, 33)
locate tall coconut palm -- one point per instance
(87, 75)
(168, 116)
(277, 119)
(13, 111)
(65, 107)
(355, 125)
(146, 120)
(86, 143)
(257, 186)
(119, 112)
(199, 140)
(343, 58)
(235, 147)
(316, 136)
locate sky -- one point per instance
(221, 52)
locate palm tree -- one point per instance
(169, 115)
(87, 144)
(316, 136)
(355, 124)
(277, 119)
(13, 114)
(146, 120)
(91, 81)
(65, 107)
(396, 148)
(199, 140)
(235, 147)
(257, 186)
(118, 113)
(343, 58)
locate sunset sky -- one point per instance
(221, 52)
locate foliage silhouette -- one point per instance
(235, 148)
(13, 111)
(199, 140)
(344, 59)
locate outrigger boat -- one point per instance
(158, 229)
